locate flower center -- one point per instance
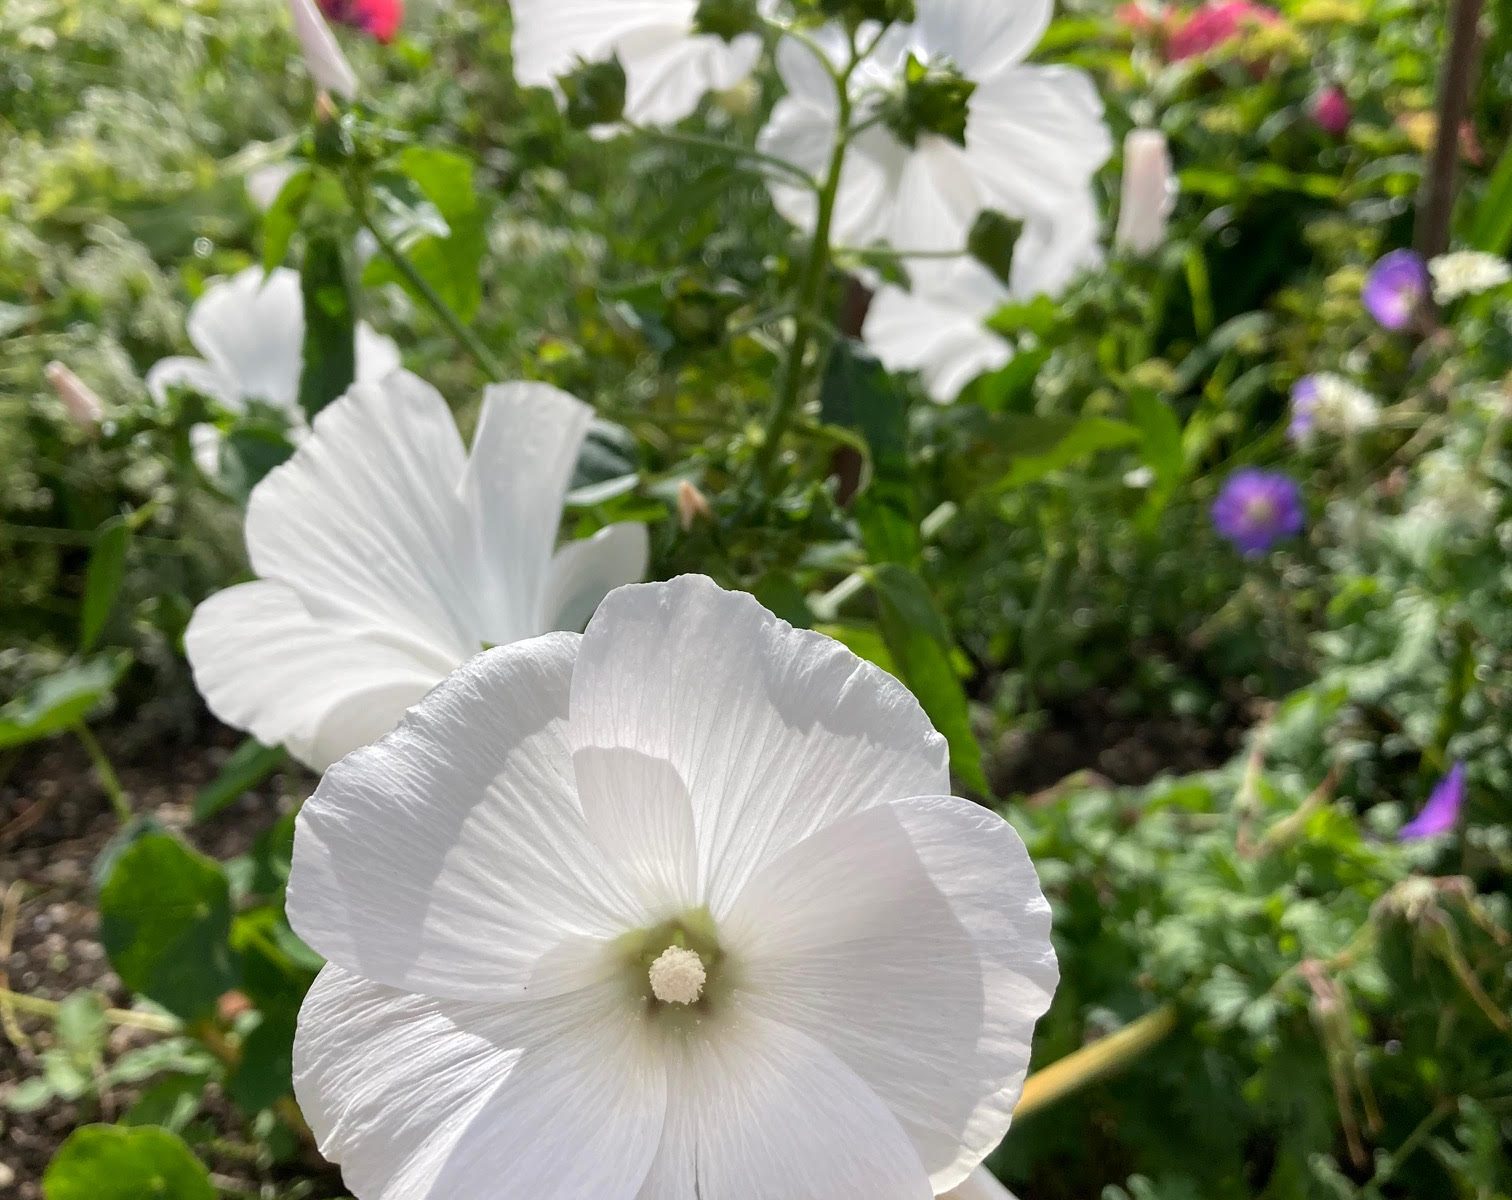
(1259, 512)
(678, 976)
(935, 98)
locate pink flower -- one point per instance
(1331, 110)
(379, 19)
(1215, 23)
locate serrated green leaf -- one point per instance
(165, 921)
(109, 1162)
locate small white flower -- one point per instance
(1033, 136)
(387, 555)
(1329, 403)
(499, 883)
(250, 330)
(1149, 192)
(1467, 273)
(669, 65)
(327, 65)
(938, 328)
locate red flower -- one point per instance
(1330, 109)
(1215, 23)
(379, 19)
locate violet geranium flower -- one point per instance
(1442, 810)
(1395, 287)
(1256, 509)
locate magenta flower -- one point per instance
(379, 19)
(1441, 812)
(1215, 23)
(1256, 509)
(1395, 287)
(1331, 110)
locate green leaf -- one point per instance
(102, 579)
(109, 1162)
(330, 339)
(265, 1073)
(81, 1026)
(58, 702)
(1491, 225)
(921, 646)
(30, 1095)
(171, 1103)
(1070, 443)
(438, 224)
(249, 764)
(1160, 447)
(859, 394)
(282, 219)
(165, 921)
(252, 449)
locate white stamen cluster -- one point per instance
(1467, 273)
(678, 976)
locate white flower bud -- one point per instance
(1149, 192)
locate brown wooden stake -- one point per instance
(1436, 198)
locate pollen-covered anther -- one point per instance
(678, 976)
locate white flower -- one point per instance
(1466, 273)
(980, 1186)
(668, 63)
(1149, 192)
(1033, 135)
(1329, 403)
(328, 66)
(939, 327)
(250, 330)
(387, 555)
(495, 882)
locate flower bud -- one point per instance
(1149, 192)
(327, 65)
(595, 94)
(84, 407)
(692, 506)
(1330, 109)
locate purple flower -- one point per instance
(1256, 509)
(1442, 810)
(1304, 409)
(1395, 287)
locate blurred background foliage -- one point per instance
(1209, 756)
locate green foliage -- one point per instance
(108, 1162)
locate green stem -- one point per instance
(468, 340)
(1095, 1060)
(109, 780)
(747, 154)
(810, 295)
(50, 1009)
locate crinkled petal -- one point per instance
(982, 37)
(523, 453)
(585, 571)
(364, 522)
(775, 732)
(933, 904)
(452, 857)
(251, 328)
(264, 664)
(196, 375)
(759, 1109)
(423, 1099)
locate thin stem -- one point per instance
(1094, 1061)
(38, 1007)
(810, 292)
(109, 780)
(444, 311)
(746, 153)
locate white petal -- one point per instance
(264, 183)
(264, 664)
(377, 355)
(756, 1109)
(1053, 250)
(327, 65)
(422, 1099)
(195, 374)
(451, 857)
(776, 732)
(364, 523)
(523, 454)
(550, 37)
(1036, 135)
(585, 571)
(801, 134)
(980, 1185)
(983, 36)
(251, 328)
(914, 941)
(942, 334)
(667, 72)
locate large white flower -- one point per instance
(669, 64)
(680, 908)
(938, 328)
(387, 555)
(1034, 136)
(250, 330)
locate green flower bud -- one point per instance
(727, 19)
(595, 93)
(935, 99)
